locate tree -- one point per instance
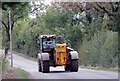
(113, 10)
(18, 10)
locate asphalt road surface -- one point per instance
(59, 73)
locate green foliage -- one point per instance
(15, 6)
(0, 40)
(0, 62)
(25, 38)
(22, 74)
(18, 10)
(101, 49)
(55, 19)
(75, 36)
(27, 31)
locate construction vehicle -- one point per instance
(56, 54)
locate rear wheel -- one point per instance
(45, 67)
(67, 67)
(74, 66)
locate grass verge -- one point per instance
(22, 73)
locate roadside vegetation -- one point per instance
(100, 68)
(90, 28)
(8, 72)
(22, 73)
(0, 64)
(15, 73)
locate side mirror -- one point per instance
(38, 42)
(69, 45)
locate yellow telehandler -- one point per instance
(56, 54)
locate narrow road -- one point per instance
(59, 73)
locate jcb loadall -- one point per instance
(56, 54)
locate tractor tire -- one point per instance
(45, 67)
(39, 66)
(67, 67)
(74, 66)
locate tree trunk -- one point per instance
(119, 48)
(118, 24)
(118, 44)
(8, 35)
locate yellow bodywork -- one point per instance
(61, 54)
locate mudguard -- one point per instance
(43, 56)
(74, 55)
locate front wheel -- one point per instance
(45, 67)
(39, 66)
(74, 66)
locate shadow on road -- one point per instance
(59, 71)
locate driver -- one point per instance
(60, 39)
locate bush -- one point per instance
(100, 50)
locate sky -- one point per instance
(47, 2)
